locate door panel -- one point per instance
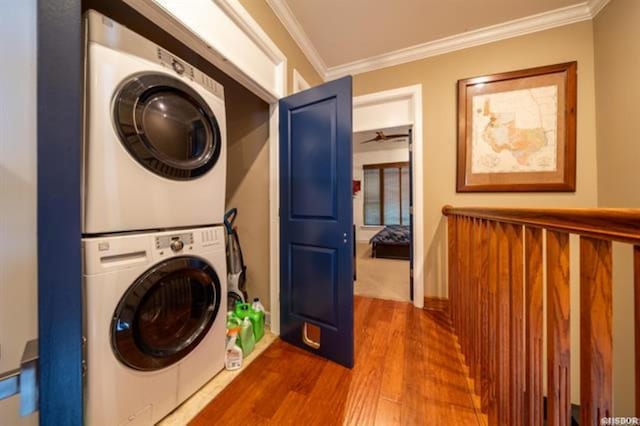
(318, 265)
(316, 220)
(313, 163)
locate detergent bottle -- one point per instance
(233, 355)
(259, 312)
(245, 311)
(247, 339)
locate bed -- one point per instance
(392, 242)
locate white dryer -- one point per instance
(155, 321)
(155, 136)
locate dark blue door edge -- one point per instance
(59, 124)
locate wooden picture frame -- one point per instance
(517, 131)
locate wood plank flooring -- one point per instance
(407, 371)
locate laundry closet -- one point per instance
(220, 109)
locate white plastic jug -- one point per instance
(257, 305)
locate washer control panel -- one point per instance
(187, 242)
(175, 243)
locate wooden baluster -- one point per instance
(451, 261)
(558, 331)
(476, 309)
(463, 278)
(596, 339)
(468, 296)
(504, 312)
(636, 262)
(485, 329)
(465, 295)
(493, 340)
(533, 305)
(516, 323)
(459, 278)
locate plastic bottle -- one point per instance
(233, 355)
(258, 327)
(232, 321)
(246, 337)
(244, 310)
(256, 305)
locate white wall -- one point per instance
(18, 291)
(364, 233)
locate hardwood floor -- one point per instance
(407, 371)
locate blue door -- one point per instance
(316, 219)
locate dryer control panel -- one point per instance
(184, 69)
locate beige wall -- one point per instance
(617, 65)
(262, 13)
(617, 56)
(248, 182)
(438, 76)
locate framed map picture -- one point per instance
(517, 131)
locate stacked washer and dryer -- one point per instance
(154, 253)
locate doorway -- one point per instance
(382, 213)
(400, 110)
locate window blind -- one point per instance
(386, 194)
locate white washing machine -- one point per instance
(155, 321)
(155, 136)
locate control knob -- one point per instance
(177, 67)
(177, 245)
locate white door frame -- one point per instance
(394, 108)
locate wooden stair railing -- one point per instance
(496, 303)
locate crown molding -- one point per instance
(290, 22)
(596, 6)
(517, 27)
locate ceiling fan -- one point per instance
(381, 137)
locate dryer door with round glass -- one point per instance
(166, 126)
(165, 313)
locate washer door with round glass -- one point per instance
(165, 313)
(166, 126)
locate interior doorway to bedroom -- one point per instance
(382, 188)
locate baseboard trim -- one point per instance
(436, 303)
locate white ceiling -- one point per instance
(337, 33)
